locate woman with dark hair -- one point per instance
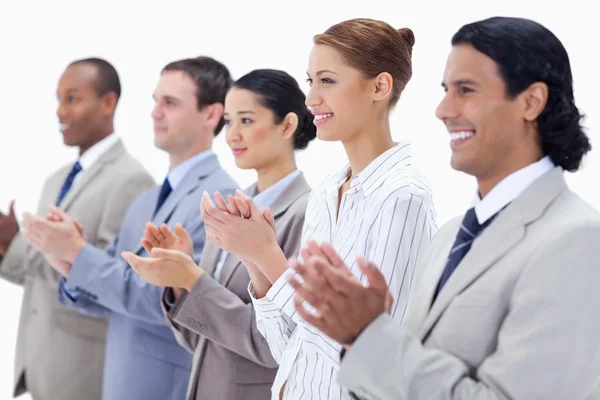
(209, 307)
(378, 206)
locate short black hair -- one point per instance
(280, 93)
(212, 78)
(108, 78)
(527, 52)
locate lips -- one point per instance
(321, 118)
(237, 151)
(64, 127)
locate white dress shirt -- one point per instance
(93, 154)
(262, 200)
(176, 175)
(509, 189)
(386, 216)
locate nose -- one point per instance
(232, 133)
(447, 109)
(61, 112)
(156, 112)
(313, 97)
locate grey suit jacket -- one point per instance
(216, 320)
(143, 360)
(516, 320)
(60, 353)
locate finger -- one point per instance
(315, 249)
(311, 277)
(158, 233)
(231, 206)
(151, 234)
(167, 234)
(389, 301)
(182, 234)
(147, 245)
(136, 261)
(221, 203)
(375, 278)
(60, 213)
(269, 217)
(339, 279)
(318, 321)
(211, 210)
(168, 254)
(309, 294)
(243, 207)
(332, 255)
(11, 209)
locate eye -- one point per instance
(72, 99)
(309, 81)
(465, 90)
(246, 121)
(327, 81)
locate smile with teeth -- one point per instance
(461, 135)
(64, 127)
(320, 117)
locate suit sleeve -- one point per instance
(104, 277)
(544, 344)
(12, 264)
(186, 338)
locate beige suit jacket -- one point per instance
(60, 352)
(516, 320)
(216, 320)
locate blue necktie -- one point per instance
(68, 182)
(165, 190)
(468, 232)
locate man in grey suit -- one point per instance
(501, 309)
(60, 353)
(143, 359)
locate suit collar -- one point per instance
(109, 156)
(507, 231)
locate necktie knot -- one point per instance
(470, 227)
(165, 190)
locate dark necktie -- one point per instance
(68, 182)
(165, 190)
(468, 232)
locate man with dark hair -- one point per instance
(501, 309)
(60, 353)
(143, 359)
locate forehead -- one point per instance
(175, 83)
(465, 63)
(79, 76)
(323, 57)
(238, 98)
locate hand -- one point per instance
(167, 268)
(62, 267)
(59, 238)
(250, 239)
(164, 238)
(9, 227)
(343, 306)
(55, 217)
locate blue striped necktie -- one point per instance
(68, 182)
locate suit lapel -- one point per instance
(190, 183)
(507, 230)
(88, 176)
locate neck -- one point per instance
(269, 176)
(487, 182)
(367, 145)
(96, 138)
(176, 159)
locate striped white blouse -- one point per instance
(386, 216)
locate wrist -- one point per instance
(193, 276)
(74, 249)
(273, 263)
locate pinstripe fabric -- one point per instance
(386, 216)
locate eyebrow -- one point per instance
(459, 82)
(241, 112)
(323, 71)
(167, 97)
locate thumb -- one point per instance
(374, 276)
(57, 211)
(167, 254)
(11, 209)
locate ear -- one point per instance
(384, 84)
(109, 102)
(535, 98)
(214, 113)
(290, 124)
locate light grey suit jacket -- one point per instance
(516, 320)
(60, 353)
(216, 320)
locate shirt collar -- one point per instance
(365, 179)
(93, 154)
(269, 195)
(177, 174)
(509, 189)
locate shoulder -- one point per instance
(402, 184)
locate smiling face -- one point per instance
(252, 133)
(339, 95)
(486, 127)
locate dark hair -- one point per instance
(280, 93)
(107, 80)
(373, 47)
(526, 52)
(212, 78)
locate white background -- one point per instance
(39, 38)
